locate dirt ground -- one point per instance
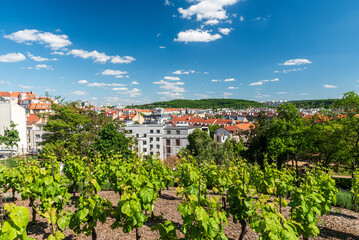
(338, 224)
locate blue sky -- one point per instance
(140, 51)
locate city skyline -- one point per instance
(134, 52)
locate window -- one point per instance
(157, 139)
(145, 150)
(137, 135)
(37, 135)
(151, 131)
(168, 150)
(168, 142)
(145, 135)
(177, 142)
(151, 153)
(168, 132)
(158, 146)
(158, 131)
(144, 142)
(151, 147)
(178, 132)
(130, 131)
(151, 139)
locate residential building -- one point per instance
(35, 133)
(149, 138)
(11, 111)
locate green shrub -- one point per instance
(344, 199)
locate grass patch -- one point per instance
(344, 199)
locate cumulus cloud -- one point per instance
(298, 61)
(329, 86)
(116, 73)
(229, 80)
(207, 9)
(168, 3)
(82, 82)
(179, 72)
(53, 41)
(225, 31)
(256, 83)
(135, 83)
(39, 59)
(215, 80)
(79, 93)
(12, 57)
(43, 66)
(172, 86)
(197, 35)
(232, 88)
(58, 53)
(163, 47)
(171, 78)
(5, 82)
(99, 57)
(226, 94)
(211, 22)
(135, 92)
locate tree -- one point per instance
(112, 140)
(10, 137)
(72, 129)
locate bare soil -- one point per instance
(338, 224)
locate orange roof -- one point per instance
(232, 128)
(39, 106)
(32, 119)
(245, 126)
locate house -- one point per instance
(11, 111)
(35, 133)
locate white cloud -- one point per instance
(211, 22)
(12, 57)
(229, 80)
(256, 83)
(25, 87)
(241, 18)
(205, 72)
(171, 94)
(125, 59)
(264, 81)
(329, 86)
(120, 89)
(298, 61)
(291, 70)
(134, 92)
(100, 57)
(43, 66)
(226, 94)
(94, 98)
(53, 41)
(207, 9)
(215, 80)
(179, 72)
(172, 86)
(281, 93)
(111, 99)
(39, 59)
(97, 84)
(58, 53)
(82, 82)
(163, 47)
(116, 73)
(79, 93)
(232, 88)
(50, 90)
(171, 78)
(225, 31)
(168, 3)
(197, 35)
(135, 83)
(5, 82)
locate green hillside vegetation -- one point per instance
(203, 104)
(319, 103)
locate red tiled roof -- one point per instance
(32, 119)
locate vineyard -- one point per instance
(264, 203)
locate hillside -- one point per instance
(202, 104)
(320, 103)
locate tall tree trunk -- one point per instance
(138, 236)
(94, 234)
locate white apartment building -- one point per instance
(35, 133)
(149, 138)
(11, 111)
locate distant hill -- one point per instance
(202, 104)
(320, 103)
